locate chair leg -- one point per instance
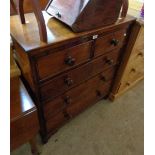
(38, 14)
(40, 20)
(21, 10)
(12, 4)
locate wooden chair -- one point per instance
(36, 7)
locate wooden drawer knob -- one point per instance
(98, 93)
(68, 81)
(103, 78)
(114, 42)
(140, 54)
(67, 100)
(67, 115)
(70, 61)
(109, 61)
(128, 84)
(133, 70)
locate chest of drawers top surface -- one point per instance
(58, 34)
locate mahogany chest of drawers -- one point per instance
(70, 72)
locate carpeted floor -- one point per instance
(104, 129)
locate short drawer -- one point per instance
(62, 60)
(137, 54)
(133, 73)
(109, 42)
(68, 80)
(136, 70)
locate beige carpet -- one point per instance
(104, 129)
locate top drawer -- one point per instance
(109, 42)
(62, 60)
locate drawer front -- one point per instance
(53, 107)
(136, 70)
(59, 61)
(94, 91)
(109, 42)
(64, 82)
(136, 55)
(56, 122)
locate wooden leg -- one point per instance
(21, 10)
(124, 8)
(40, 20)
(13, 6)
(34, 148)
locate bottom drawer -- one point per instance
(87, 98)
(56, 122)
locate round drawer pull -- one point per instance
(68, 81)
(70, 61)
(114, 42)
(128, 84)
(140, 54)
(109, 61)
(66, 114)
(103, 78)
(67, 100)
(98, 93)
(58, 15)
(133, 70)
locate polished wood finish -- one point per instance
(57, 34)
(74, 102)
(56, 105)
(110, 41)
(68, 80)
(86, 14)
(70, 72)
(132, 70)
(23, 119)
(58, 61)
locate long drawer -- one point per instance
(74, 101)
(86, 98)
(61, 60)
(110, 42)
(68, 80)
